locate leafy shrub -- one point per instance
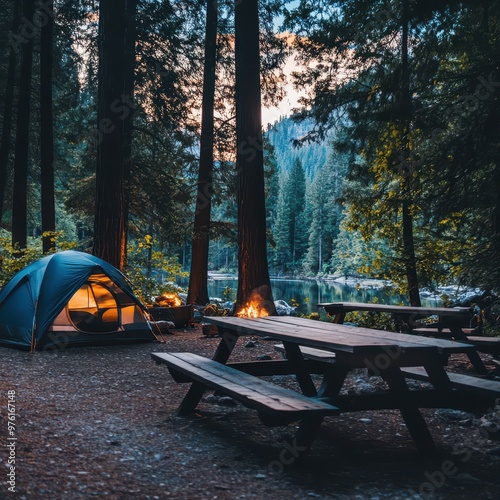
(228, 294)
(12, 260)
(150, 272)
(368, 319)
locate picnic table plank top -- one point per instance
(442, 344)
(333, 336)
(427, 311)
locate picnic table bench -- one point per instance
(274, 404)
(384, 354)
(452, 323)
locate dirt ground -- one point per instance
(101, 422)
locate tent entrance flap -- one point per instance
(94, 309)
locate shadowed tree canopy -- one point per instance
(418, 126)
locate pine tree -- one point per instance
(320, 223)
(272, 193)
(296, 192)
(325, 212)
(281, 232)
(413, 151)
(349, 253)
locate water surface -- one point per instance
(308, 293)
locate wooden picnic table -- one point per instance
(451, 321)
(408, 314)
(391, 356)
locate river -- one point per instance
(308, 293)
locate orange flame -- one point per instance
(169, 300)
(252, 310)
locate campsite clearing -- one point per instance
(101, 421)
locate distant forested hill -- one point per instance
(312, 156)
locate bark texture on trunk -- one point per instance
(47, 133)
(253, 272)
(6, 144)
(198, 288)
(20, 194)
(128, 114)
(112, 111)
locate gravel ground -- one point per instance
(101, 422)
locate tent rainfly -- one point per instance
(70, 298)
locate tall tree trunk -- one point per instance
(198, 288)
(20, 194)
(46, 133)
(130, 39)
(253, 272)
(112, 110)
(409, 257)
(7, 110)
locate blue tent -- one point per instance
(70, 298)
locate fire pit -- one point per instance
(168, 307)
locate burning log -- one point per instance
(257, 305)
(168, 300)
(252, 310)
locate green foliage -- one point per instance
(13, 260)
(285, 134)
(150, 272)
(324, 213)
(438, 155)
(349, 69)
(281, 232)
(366, 319)
(228, 294)
(289, 230)
(271, 179)
(491, 330)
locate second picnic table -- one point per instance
(451, 320)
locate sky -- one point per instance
(284, 108)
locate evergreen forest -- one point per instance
(132, 129)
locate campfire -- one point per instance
(168, 300)
(257, 306)
(252, 310)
